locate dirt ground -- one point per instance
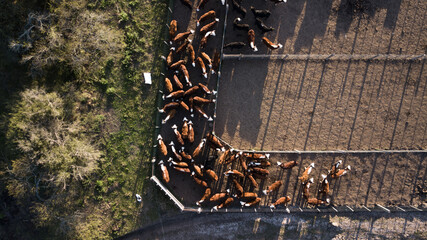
(311, 105)
(285, 226)
(385, 179)
(287, 105)
(336, 26)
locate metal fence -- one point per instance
(329, 57)
(292, 209)
(159, 100)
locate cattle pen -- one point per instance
(362, 104)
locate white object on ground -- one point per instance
(147, 78)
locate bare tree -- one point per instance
(55, 154)
(80, 38)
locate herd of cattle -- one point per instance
(189, 95)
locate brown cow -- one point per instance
(270, 44)
(251, 39)
(191, 103)
(173, 28)
(177, 82)
(212, 174)
(191, 90)
(234, 173)
(185, 170)
(199, 148)
(334, 168)
(251, 203)
(281, 201)
(242, 161)
(165, 172)
(202, 66)
(199, 181)
(183, 45)
(190, 132)
(205, 38)
(184, 129)
(207, 59)
(273, 187)
(184, 105)
(168, 85)
(324, 185)
(178, 134)
(184, 71)
(239, 187)
(178, 164)
(315, 201)
(253, 181)
(306, 189)
(305, 175)
(178, 156)
(287, 165)
(249, 195)
(169, 58)
(262, 164)
(259, 170)
(257, 155)
(201, 4)
(219, 196)
(177, 64)
(205, 196)
(259, 176)
(170, 115)
(206, 89)
(341, 172)
(201, 112)
(192, 54)
(210, 14)
(198, 170)
(215, 63)
(200, 100)
(162, 145)
(233, 158)
(176, 94)
(214, 140)
(223, 158)
(226, 203)
(208, 27)
(182, 36)
(185, 155)
(169, 106)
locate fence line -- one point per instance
(292, 209)
(168, 193)
(220, 64)
(321, 152)
(159, 100)
(330, 57)
(298, 210)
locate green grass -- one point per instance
(128, 147)
(121, 118)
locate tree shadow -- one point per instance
(240, 97)
(376, 225)
(314, 23)
(352, 9)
